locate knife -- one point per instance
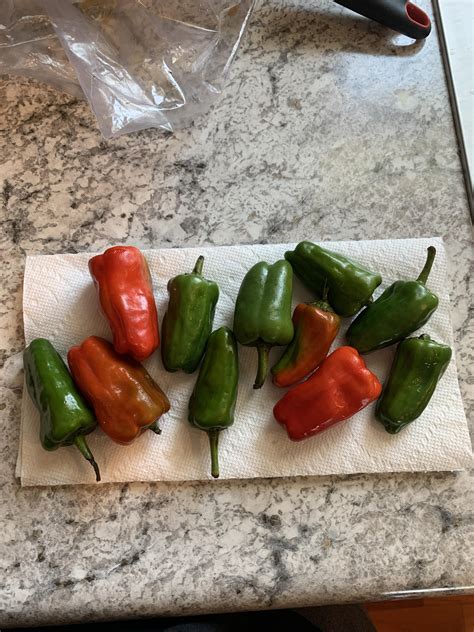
(400, 15)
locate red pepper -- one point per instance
(316, 326)
(123, 281)
(341, 387)
(125, 398)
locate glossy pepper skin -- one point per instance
(187, 324)
(262, 315)
(418, 366)
(341, 387)
(212, 403)
(125, 398)
(402, 309)
(350, 286)
(316, 326)
(65, 418)
(122, 278)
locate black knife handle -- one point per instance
(400, 15)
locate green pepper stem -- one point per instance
(263, 351)
(198, 266)
(323, 303)
(155, 427)
(325, 291)
(214, 442)
(424, 274)
(81, 444)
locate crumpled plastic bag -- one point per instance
(139, 63)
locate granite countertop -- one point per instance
(328, 128)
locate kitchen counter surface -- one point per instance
(331, 129)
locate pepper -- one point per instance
(212, 403)
(418, 366)
(122, 278)
(341, 386)
(65, 418)
(125, 398)
(350, 286)
(316, 326)
(187, 324)
(402, 309)
(262, 315)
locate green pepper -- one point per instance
(262, 316)
(212, 403)
(418, 366)
(188, 322)
(402, 309)
(349, 285)
(65, 418)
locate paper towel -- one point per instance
(60, 304)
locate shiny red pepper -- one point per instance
(341, 387)
(125, 398)
(123, 281)
(316, 326)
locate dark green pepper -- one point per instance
(418, 366)
(187, 324)
(402, 309)
(262, 316)
(212, 403)
(349, 285)
(65, 418)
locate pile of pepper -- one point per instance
(107, 385)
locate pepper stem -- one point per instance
(81, 444)
(423, 277)
(325, 291)
(198, 266)
(155, 427)
(263, 351)
(213, 442)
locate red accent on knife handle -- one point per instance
(402, 16)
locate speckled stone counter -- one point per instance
(329, 129)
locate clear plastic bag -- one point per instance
(139, 63)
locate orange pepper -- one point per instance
(123, 281)
(316, 326)
(341, 387)
(125, 398)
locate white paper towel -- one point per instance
(60, 303)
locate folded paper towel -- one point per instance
(60, 303)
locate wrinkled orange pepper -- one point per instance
(123, 281)
(316, 326)
(340, 387)
(125, 398)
